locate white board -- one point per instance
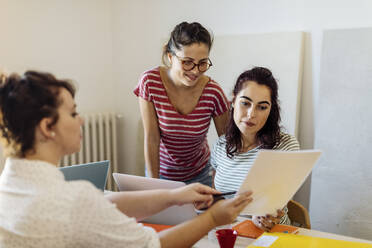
(341, 185)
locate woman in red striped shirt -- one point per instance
(177, 102)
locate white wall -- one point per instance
(343, 124)
(72, 39)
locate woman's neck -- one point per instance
(249, 142)
(170, 77)
(44, 153)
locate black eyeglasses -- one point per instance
(188, 65)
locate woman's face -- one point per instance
(67, 130)
(197, 53)
(252, 107)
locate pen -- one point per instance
(226, 193)
(217, 197)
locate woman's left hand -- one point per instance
(269, 221)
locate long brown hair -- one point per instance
(270, 132)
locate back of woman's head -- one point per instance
(185, 34)
(24, 102)
(270, 132)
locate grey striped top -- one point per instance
(231, 172)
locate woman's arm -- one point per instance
(213, 176)
(220, 123)
(221, 213)
(154, 201)
(151, 137)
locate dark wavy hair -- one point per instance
(270, 132)
(185, 34)
(24, 102)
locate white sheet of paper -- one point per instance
(275, 177)
(265, 241)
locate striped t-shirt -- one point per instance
(184, 150)
(231, 172)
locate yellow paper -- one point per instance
(282, 240)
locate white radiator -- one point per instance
(99, 143)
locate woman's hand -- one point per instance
(197, 193)
(225, 211)
(267, 222)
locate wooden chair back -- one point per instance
(298, 214)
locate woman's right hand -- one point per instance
(197, 193)
(269, 221)
(226, 211)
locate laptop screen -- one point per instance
(170, 216)
(95, 172)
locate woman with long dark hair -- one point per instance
(254, 124)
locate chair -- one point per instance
(298, 214)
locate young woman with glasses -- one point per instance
(177, 103)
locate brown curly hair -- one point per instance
(24, 102)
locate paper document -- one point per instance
(275, 177)
(280, 240)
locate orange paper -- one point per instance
(157, 227)
(248, 229)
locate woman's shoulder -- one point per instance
(152, 73)
(212, 88)
(155, 70)
(77, 187)
(213, 84)
(221, 141)
(287, 142)
(84, 193)
(149, 80)
(219, 144)
(287, 137)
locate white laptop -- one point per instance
(170, 216)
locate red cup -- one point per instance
(226, 237)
